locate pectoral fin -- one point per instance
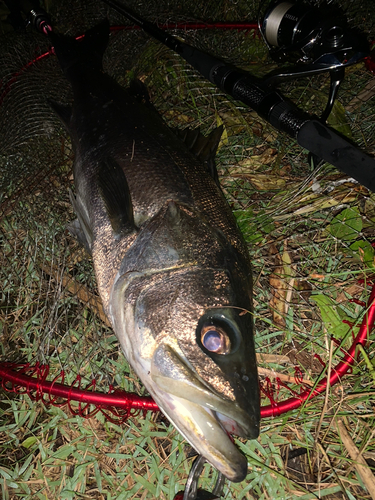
(76, 230)
(115, 194)
(80, 228)
(64, 112)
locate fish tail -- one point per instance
(86, 52)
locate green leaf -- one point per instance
(11, 484)
(6, 473)
(146, 484)
(332, 316)
(250, 224)
(337, 119)
(323, 492)
(68, 494)
(63, 452)
(365, 252)
(26, 464)
(346, 225)
(98, 477)
(29, 442)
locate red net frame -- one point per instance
(119, 405)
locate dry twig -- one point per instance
(360, 464)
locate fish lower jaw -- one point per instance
(206, 432)
(205, 429)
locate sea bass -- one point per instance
(172, 268)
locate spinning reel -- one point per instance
(314, 39)
(25, 13)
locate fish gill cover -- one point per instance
(310, 237)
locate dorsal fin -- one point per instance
(204, 148)
(87, 52)
(115, 194)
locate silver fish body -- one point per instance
(172, 268)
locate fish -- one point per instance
(172, 268)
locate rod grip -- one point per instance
(310, 133)
(266, 101)
(327, 144)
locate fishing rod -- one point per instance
(289, 30)
(310, 132)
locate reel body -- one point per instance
(314, 39)
(306, 34)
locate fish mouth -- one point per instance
(205, 419)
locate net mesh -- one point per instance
(310, 232)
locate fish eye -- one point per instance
(214, 339)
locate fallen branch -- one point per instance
(282, 376)
(360, 463)
(79, 291)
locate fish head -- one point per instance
(189, 336)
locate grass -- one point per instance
(310, 234)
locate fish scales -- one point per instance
(171, 265)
